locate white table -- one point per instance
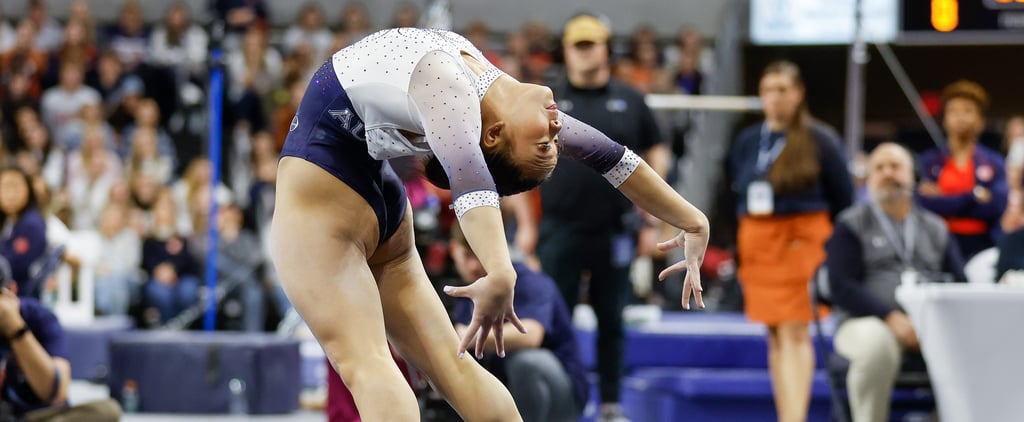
(972, 337)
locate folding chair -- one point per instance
(912, 375)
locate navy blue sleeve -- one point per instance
(462, 313)
(26, 244)
(45, 327)
(1011, 253)
(836, 183)
(533, 300)
(999, 190)
(946, 205)
(845, 263)
(954, 261)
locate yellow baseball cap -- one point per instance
(585, 28)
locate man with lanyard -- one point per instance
(586, 225)
(875, 247)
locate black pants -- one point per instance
(566, 254)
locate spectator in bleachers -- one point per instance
(24, 230)
(143, 192)
(80, 11)
(643, 68)
(239, 261)
(37, 155)
(76, 47)
(7, 34)
(355, 21)
(689, 44)
(254, 70)
(480, 35)
(966, 182)
(283, 114)
(516, 56)
(121, 91)
(1014, 144)
(877, 246)
(129, 38)
(238, 17)
(48, 30)
(25, 59)
(197, 176)
(92, 170)
(407, 14)
(61, 103)
(145, 158)
(538, 47)
(118, 263)
(57, 233)
(147, 117)
(309, 29)
(17, 95)
(543, 369)
(69, 138)
(789, 177)
(173, 272)
(179, 43)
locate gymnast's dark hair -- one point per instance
(509, 178)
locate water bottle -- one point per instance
(130, 397)
(239, 405)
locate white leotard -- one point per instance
(416, 96)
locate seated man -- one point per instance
(874, 248)
(34, 375)
(543, 369)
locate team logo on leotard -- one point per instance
(295, 123)
(345, 117)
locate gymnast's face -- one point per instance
(532, 127)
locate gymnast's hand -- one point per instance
(694, 245)
(492, 306)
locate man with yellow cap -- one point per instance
(601, 241)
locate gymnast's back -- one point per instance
(378, 72)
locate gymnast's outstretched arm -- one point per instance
(450, 109)
(642, 185)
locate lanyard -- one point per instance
(906, 253)
(766, 155)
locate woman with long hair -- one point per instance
(24, 229)
(790, 180)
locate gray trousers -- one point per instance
(540, 386)
(875, 357)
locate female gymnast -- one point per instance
(342, 233)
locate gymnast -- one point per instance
(342, 238)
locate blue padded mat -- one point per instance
(675, 394)
(692, 340)
(190, 372)
(87, 346)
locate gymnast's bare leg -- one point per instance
(421, 331)
(324, 238)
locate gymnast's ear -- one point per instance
(493, 135)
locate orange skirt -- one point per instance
(778, 255)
